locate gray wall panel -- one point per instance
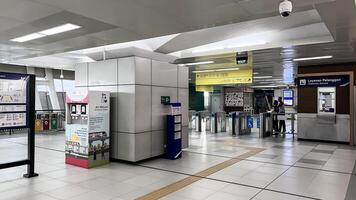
(164, 74)
(81, 74)
(159, 111)
(103, 73)
(126, 70)
(126, 109)
(142, 108)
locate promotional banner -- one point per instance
(224, 77)
(323, 81)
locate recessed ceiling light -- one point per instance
(198, 63)
(59, 29)
(312, 58)
(28, 37)
(44, 33)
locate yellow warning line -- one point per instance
(164, 191)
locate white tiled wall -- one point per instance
(103, 73)
(138, 117)
(159, 111)
(81, 74)
(164, 74)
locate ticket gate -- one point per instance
(239, 123)
(266, 124)
(218, 122)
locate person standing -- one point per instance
(281, 112)
(275, 118)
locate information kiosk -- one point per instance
(87, 128)
(174, 132)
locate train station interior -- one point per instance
(177, 99)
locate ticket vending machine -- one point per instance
(87, 128)
(174, 132)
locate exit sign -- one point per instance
(165, 100)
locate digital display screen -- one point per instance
(288, 97)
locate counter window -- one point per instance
(327, 100)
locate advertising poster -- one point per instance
(77, 145)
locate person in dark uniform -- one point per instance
(94, 152)
(282, 112)
(275, 119)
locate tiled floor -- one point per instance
(283, 169)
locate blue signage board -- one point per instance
(258, 122)
(323, 81)
(288, 97)
(249, 122)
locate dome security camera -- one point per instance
(285, 8)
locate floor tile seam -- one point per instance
(286, 165)
(265, 188)
(198, 176)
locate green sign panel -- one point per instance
(165, 100)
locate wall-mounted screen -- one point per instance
(288, 97)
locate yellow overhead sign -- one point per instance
(204, 88)
(224, 77)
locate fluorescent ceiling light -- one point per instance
(60, 29)
(44, 33)
(216, 70)
(198, 63)
(258, 77)
(255, 73)
(28, 37)
(312, 58)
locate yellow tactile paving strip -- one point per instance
(164, 191)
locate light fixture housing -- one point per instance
(60, 29)
(47, 32)
(312, 58)
(197, 63)
(28, 37)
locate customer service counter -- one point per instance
(324, 108)
(328, 128)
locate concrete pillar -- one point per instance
(38, 105)
(51, 89)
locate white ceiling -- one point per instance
(179, 27)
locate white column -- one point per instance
(52, 91)
(38, 105)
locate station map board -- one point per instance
(13, 100)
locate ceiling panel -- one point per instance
(25, 11)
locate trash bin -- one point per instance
(54, 121)
(38, 123)
(45, 122)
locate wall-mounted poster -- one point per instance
(234, 99)
(13, 99)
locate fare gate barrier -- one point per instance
(266, 124)
(218, 122)
(239, 123)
